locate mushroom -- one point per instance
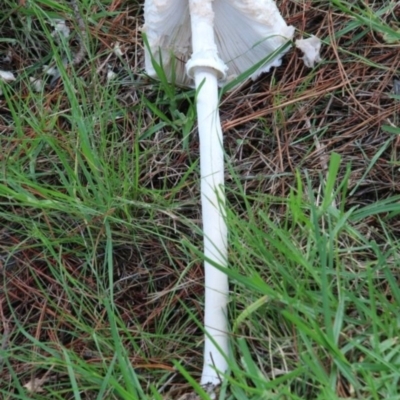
(246, 32)
(209, 43)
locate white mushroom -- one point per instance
(208, 42)
(246, 31)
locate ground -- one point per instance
(100, 228)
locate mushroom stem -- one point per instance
(214, 227)
(206, 68)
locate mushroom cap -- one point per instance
(246, 31)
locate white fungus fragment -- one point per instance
(117, 50)
(52, 71)
(111, 75)
(6, 76)
(310, 48)
(37, 84)
(60, 28)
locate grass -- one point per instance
(100, 242)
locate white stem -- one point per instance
(206, 67)
(214, 227)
